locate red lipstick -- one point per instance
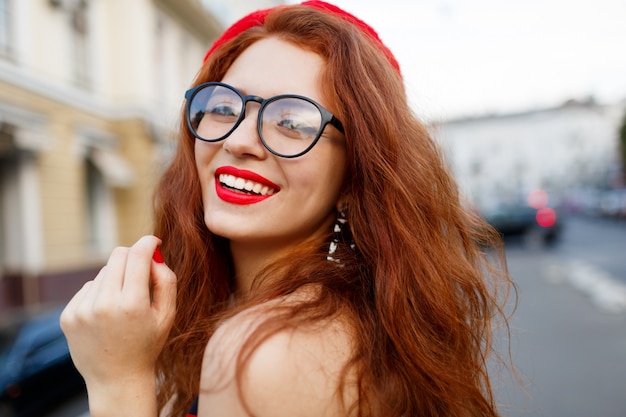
(229, 195)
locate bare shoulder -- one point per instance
(295, 372)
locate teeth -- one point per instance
(227, 180)
(245, 185)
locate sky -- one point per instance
(464, 58)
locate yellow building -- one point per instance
(89, 99)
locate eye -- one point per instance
(223, 107)
(293, 118)
(296, 125)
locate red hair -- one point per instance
(419, 291)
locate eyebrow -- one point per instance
(245, 92)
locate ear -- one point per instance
(342, 202)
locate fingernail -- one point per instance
(157, 256)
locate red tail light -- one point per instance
(546, 217)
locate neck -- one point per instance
(248, 261)
(249, 258)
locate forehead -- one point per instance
(273, 66)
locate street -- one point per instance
(569, 331)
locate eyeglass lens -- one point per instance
(289, 125)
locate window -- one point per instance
(80, 35)
(100, 226)
(158, 56)
(104, 172)
(5, 28)
(20, 217)
(10, 212)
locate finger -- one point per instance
(136, 285)
(69, 313)
(110, 280)
(164, 288)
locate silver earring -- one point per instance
(341, 234)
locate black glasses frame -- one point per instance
(327, 117)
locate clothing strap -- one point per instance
(193, 410)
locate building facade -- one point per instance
(501, 158)
(90, 93)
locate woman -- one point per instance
(318, 259)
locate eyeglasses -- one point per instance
(288, 125)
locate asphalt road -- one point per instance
(569, 330)
(568, 333)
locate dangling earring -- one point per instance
(341, 234)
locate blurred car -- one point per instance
(541, 225)
(612, 203)
(36, 370)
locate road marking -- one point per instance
(605, 291)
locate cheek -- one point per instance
(335, 171)
(199, 152)
(204, 153)
(323, 178)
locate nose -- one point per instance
(244, 140)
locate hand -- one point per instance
(117, 324)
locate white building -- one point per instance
(503, 157)
(90, 93)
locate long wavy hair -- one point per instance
(425, 282)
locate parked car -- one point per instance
(541, 225)
(612, 203)
(36, 370)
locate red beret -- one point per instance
(258, 17)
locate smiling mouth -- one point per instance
(244, 186)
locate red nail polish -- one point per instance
(158, 256)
